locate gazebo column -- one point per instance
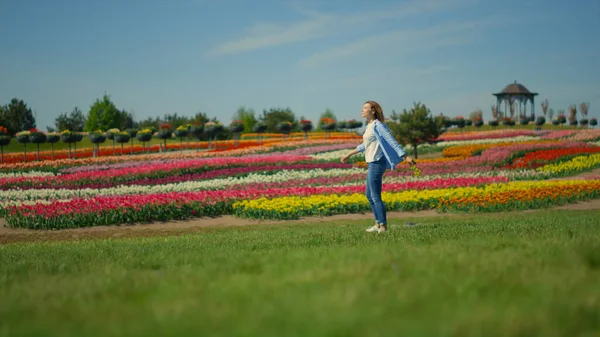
(532, 108)
(497, 106)
(522, 108)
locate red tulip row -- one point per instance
(542, 157)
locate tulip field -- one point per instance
(491, 171)
(91, 246)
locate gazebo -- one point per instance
(515, 97)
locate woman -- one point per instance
(382, 152)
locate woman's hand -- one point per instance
(345, 158)
(410, 160)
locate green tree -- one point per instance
(477, 114)
(126, 119)
(77, 120)
(277, 115)
(62, 122)
(149, 123)
(74, 121)
(395, 116)
(175, 120)
(417, 126)
(248, 118)
(2, 120)
(104, 115)
(17, 116)
(223, 132)
(200, 117)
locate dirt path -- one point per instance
(432, 155)
(12, 235)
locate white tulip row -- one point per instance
(510, 174)
(30, 202)
(31, 174)
(487, 141)
(337, 154)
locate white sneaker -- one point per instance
(373, 229)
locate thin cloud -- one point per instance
(318, 25)
(403, 74)
(433, 70)
(401, 41)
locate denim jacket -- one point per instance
(392, 151)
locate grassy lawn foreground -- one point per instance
(528, 274)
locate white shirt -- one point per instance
(372, 149)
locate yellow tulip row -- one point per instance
(576, 164)
(493, 197)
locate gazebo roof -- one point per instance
(515, 89)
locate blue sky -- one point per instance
(186, 56)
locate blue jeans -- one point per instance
(373, 190)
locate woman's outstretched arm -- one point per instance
(350, 154)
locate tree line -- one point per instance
(411, 127)
(104, 115)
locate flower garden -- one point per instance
(477, 266)
(291, 178)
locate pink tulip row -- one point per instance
(103, 181)
(439, 168)
(488, 135)
(302, 151)
(137, 201)
(585, 135)
(558, 134)
(160, 167)
(497, 155)
(127, 164)
(170, 160)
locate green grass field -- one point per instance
(523, 274)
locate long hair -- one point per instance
(377, 110)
